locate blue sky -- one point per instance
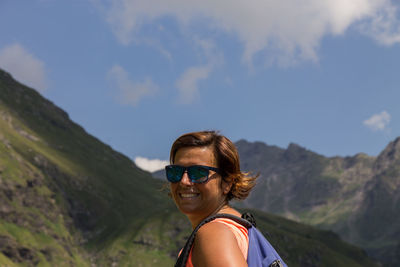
(137, 74)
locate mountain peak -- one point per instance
(295, 153)
(294, 146)
(390, 155)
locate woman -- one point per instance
(205, 175)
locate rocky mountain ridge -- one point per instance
(357, 197)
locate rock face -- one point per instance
(357, 197)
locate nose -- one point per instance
(185, 179)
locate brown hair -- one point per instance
(226, 156)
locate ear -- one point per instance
(226, 186)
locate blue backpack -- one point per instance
(260, 253)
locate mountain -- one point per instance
(160, 174)
(67, 199)
(62, 188)
(357, 197)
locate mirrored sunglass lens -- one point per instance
(174, 173)
(198, 174)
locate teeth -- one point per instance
(188, 195)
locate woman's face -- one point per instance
(193, 199)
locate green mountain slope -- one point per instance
(97, 191)
(357, 197)
(67, 199)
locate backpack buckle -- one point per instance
(276, 263)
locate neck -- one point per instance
(195, 219)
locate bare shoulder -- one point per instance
(214, 227)
(216, 245)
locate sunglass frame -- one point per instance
(187, 169)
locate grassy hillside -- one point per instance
(62, 182)
(67, 199)
(303, 245)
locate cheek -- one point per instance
(214, 190)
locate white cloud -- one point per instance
(286, 30)
(130, 92)
(23, 66)
(187, 84)
(384, 26)
(150, 165)
(378, 122)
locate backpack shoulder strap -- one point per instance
(183, 257)
(261, 252)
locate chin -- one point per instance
(187, 210)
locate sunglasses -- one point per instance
(197, 173)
